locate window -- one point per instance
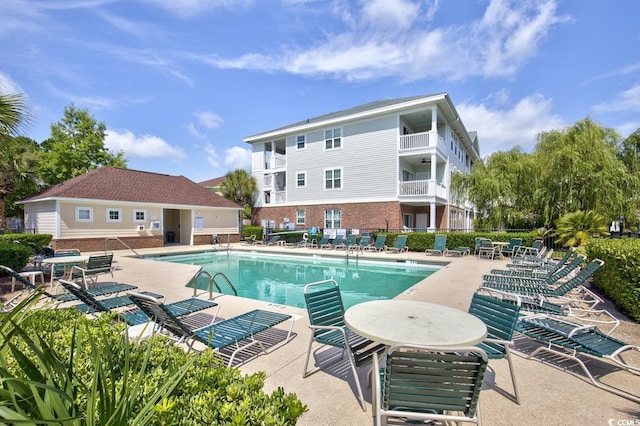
(84, 214)
(332, 219)
(139, 215)
(333, 179)
(332, 139)
(300, 142)
(301, 216)
(301, 179)
(407, 175)
(114, 215)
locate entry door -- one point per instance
(422, 221)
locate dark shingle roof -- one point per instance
(351, 111)
(213, 182)
(116, 184)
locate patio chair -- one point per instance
(98, 264)
(347, 242)
(323, 241)
(58, 271)
(273, 240)
(326, 321)
(487, 249)
(537, 249)
(219, 335)
(379, 244)
(458, 251)
(521, 277)
(570, 340)
(439, 245)
(422, 383)
(136, 316)
(500, 317)
(363, 244)
(400, 246)
(336, 242)
(250, 240)
(513, 246)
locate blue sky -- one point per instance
(180, 83)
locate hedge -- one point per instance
(420, 241)
(619, 278)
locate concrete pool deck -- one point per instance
(549, 394)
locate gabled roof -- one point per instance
(360, 109)
(126, 185)
(213, 182)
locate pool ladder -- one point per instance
(212, 283)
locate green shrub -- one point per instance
(14, 256)
(39, 240)
(58, 365)
(248, 231)
(619, 278)
(420, 241)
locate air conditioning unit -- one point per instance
(140, 228)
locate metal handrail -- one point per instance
(121, 242)
(212, 282)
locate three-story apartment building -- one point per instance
(382, 165)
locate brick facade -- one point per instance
(98, 244)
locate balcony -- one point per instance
(421, 141)
(422, 188)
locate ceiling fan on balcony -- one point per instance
(424, 161)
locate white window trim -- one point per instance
(324, 179)
(305, 142)
(135, 211)
(304, 172)
(78, 209)
(304, 217)
(333, 148)
(112, 209)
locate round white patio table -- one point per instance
(421, 323)
(64, 260)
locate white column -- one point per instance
(432, 217)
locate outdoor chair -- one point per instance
(525, 278)
(500, 317)
(250, 240)
(379, 244)
(457, 251)
(59, 271)
(363, 244)
(98, 264)
(570, 340)
(324, 240)
(400, 246)
(326, 321)
(219, 335)
(422, 383)
(536, 250)
(136, 316)
(513, 246)
(542, 265)
(487, 249)
(273, 240)
(336, 242)
(347, 242)
(439, 245)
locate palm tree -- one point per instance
(573, 229)
(17, 157)
(240, 187)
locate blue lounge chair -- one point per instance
(570, 340)
(379, 244)
(400, 246)
(458, 251)
(346, 243)
(363, 244)
(318, 244)
(220, 335)
(336, 242)
(439, 245)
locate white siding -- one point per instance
(41, 217)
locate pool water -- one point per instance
(281, 279)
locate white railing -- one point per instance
(279, 197)
(418, 141)
(417, 188)
(278, 162)
(268, 181)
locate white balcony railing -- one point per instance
(277, 162)
(422, 188)
(268, 181)
(418, 141)
(279, 197)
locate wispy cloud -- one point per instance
(190, 8)
(233, 158)
(627, 100)
(500, 128)
(387, 40)
(142, 146)
(8, 86)
(205, 121)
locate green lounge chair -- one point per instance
(273, 240)
(400, 246)
(363, 244)
(379, 244)
(422, 383)
(132, 317)
(348, 242)
(326, 321)
(458, 251)
(537, 249)
(220, 335)
(336, 242)
(324, 240)
(487, 249)
(439, 245)
(569, 340)
(500, 317)
(513, 246)
(518, 277)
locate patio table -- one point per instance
(65, 261)
(415, 322)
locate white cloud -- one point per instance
(205, 121)
(144, 146)
(237, 157)
(386, 39)
(212, 156)
(501, 129)
(8, 86)
(628, 100)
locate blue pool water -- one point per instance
(281, 279)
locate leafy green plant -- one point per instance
(573, 229)
(56, 366)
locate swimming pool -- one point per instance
(280, 279)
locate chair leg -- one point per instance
(306, 362)
(513, 376)
(354, 371)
